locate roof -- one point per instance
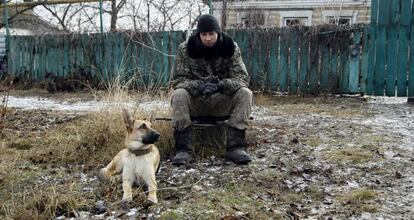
(28, 23)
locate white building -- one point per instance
(279, 13)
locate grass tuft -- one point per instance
(171, 215)
(361, 200)
(20, 145)
(359, 196)
(44, 203)
(349, 154)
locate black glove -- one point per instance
(212, 79)
(208, 88)
(220, 86)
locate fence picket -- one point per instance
(411, 69)
(404, 34)
(255, 57)
(24, 58)
(354, 63)
(264, 60)
(314, 64)
(392, 47)
(166, 67)
(326, 43)
(294, 61)
(304, 62)
(381, 46)
(372, 47)
(274, 59)
(343, 73)
(334, 79)
(364, 62)
(141, 61)
(284, 59)
(157, 56)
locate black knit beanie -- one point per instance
(207, 23)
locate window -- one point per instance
(295, 21)
(245, 22)
(300, 17)
(342, 20)
(253, 18)
(340, 17)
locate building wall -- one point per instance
(276, 12)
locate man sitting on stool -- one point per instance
(210, 79)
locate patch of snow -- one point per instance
(132, 212)
(192, 170)
(100, 216)
(352, 184)
(214, 169)
(386, 100)
(259, 112)
(389, 154)
(34, 103)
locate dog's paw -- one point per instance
(126, 199)
(102, 176)
(153, 199)
(127, 203)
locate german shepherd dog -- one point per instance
(139, 161)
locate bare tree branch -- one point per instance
(18, 12)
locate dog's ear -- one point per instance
(128, 121)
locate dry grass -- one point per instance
(226, 200)
(358, 196)
(41, 202)
(361, 200)
(82, 145)
(328, 106)
(3, 107)
(93, 140)
(209, 141)
(96, 138)
(349, 155)
(263, 99)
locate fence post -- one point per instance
(7, 39)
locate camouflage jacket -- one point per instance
(188, 73)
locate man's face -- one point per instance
(209, 39)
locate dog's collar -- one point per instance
(140, 152)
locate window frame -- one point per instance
(351, 14)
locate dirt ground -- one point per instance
(314, 158)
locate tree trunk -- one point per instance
(114, 15)
(224, 15)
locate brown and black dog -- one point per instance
(139, 161)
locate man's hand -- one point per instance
(212, 79)
(208, 88)
(220, 86)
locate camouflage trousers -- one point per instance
(237, 107)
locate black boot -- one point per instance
(236, 143)
(183, 146)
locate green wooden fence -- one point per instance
(140, 56)
(292, 60)
(371, 59)
(391, 61)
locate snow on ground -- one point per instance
(42, 103)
